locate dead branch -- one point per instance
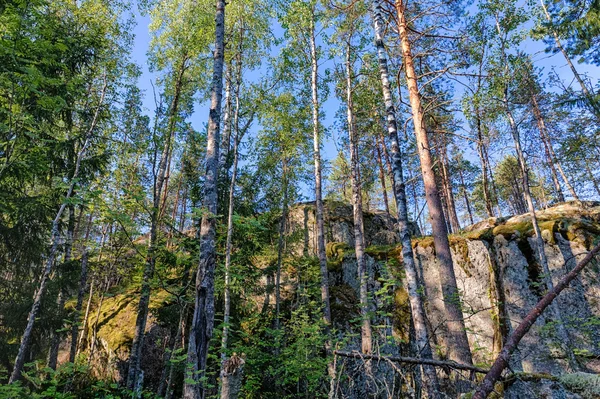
(501, 362)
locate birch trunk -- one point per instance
(319, 196)
(458, 349)
(62, 294)
(281, 243)
(229, 239)
(412, 283)
(201, 330)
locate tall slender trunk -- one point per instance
(458, 343)
(281, 242)
(563, 336)
(447, 184)
(62, 294)
(226, 134)
(319, 196)
(204, 307)
(55, 234)
(229, 239)
(135, 358)
(592, 178)
(593, 106)
(465, 192)
(382, 177)
(484, 170)
(83, 275)
(359, 239)
(553, 161)
(412, 282)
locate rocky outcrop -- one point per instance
(380, 228)
(500, 280)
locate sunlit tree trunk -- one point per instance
(553, 161)
(458, 349)
(204, 307)
(412, 282)
(562, 333)
(135, 357)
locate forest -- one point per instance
(299, 199)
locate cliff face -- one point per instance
(499, 279)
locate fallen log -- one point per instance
(501, 362)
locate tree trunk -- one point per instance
(501, 362)
(589, 96)
(563, 336)
(412, 283)
(55, 234)
(62, 294)
(359, 240)
(204, 307)
(229, 239)
(137, 345)
(450, 203)
(281, 243)
(319, 197)
(553, 161)
(77, 313)
(233, 370)
(458, 343)
(382, 177)
(465, 194)
(484, 170)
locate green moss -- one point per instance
(461, 250)
(336, 249)
(384, 252)
(118, 313)
(585, 384)
(483, 234)
(401, 314)
(336, 253)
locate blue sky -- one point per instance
(142, 39)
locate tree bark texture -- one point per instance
(204, 307)
(458, 343)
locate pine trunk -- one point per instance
(458, 349)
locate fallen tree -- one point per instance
(501, 362)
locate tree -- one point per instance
(202, 323)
